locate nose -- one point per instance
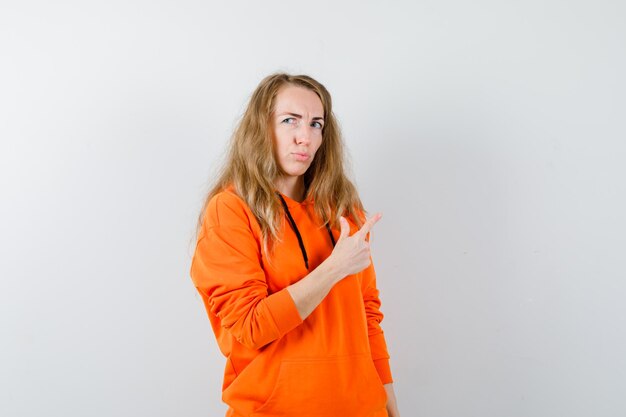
(303, 134)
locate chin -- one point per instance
(296, 172)
(293, 173)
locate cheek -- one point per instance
(318, 143)
(281, 143)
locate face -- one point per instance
(297, 123)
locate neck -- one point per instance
(292, 187)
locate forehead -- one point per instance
(296, 99)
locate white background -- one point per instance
(491, 135)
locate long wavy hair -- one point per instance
(251, 167)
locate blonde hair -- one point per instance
(251, 167)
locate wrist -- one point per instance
(332, 270)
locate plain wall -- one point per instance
(490, 134)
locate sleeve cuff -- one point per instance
(384, 371)
(284, 312)
(378, 346)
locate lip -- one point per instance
(301, 156)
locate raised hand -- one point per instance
(352, 253)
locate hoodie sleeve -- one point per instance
(226, 269)
(374, 316)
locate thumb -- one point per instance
(345, 228)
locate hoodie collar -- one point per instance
(293, 203)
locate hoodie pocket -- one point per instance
(347, 385)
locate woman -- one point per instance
(283, 266)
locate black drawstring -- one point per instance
(292, 223)
(332, 238)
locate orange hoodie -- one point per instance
(332, 364)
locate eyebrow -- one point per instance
(299, 116)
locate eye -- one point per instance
(289, 120)
(317, 125)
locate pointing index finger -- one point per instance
(367, 226)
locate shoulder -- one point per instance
(226, 208)
(356, 217)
